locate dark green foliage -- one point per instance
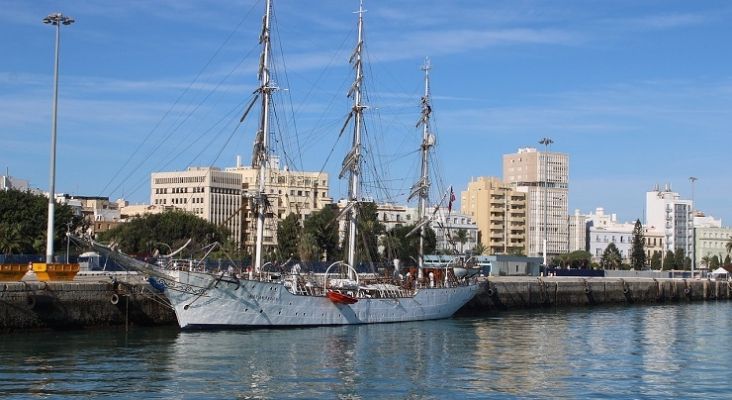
(288, 236)
(577, 259)
(679, 259)
(668, 261)
(461, 236)
(172, 228)
(611, 258)
(656, 260)
(397, 244)
(638, 251)
(322, 227)
(479, 249)
(24, 223)
(369, 229)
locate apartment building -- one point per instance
(499, 211)
(544, 177)
(221, 197)
(667, 212)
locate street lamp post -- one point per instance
(546, 142)
(693, 231)
(56, 19)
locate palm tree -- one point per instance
(728, 246)
(706, 260)
(461, 236)
(479, 248)
(10, 238)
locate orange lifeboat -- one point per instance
(342, 298)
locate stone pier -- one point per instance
(513, 293)
(116, 301)
(96, 301)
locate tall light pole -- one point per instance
(57, 19)
(546, 142)
(693, 230)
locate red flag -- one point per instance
(452, 198)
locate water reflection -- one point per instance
(659, 351)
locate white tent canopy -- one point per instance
(719, 271)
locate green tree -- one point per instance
(728, 245)
(638, 251)
(11, 240)
(405, 247)
(668, 261)
(479, 248)
(323, 227)
(368, 231)
(307, 247)
(288, 236)
(656, 260)
(706, 260)
(173, 228)
(26, 214)
(461, 236)
(611, 258)
(679, 259)
(516, 252)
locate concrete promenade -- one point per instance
(104, 300)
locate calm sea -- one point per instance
(619, 352)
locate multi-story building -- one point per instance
(667, 212)
(207, 192)
(447, 224)
(220, 197)
(577, 228)
(499, 212)
(710, 239)
(289, 192)
(603, 229)
(654, 243)
(544, 176)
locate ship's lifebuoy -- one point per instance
(490, 292)
(625, 290)
(687, 291)
(587, 290)
(114, 299)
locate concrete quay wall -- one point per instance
(514, 293)
(33, 305)
(91, 302)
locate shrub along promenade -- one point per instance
(104, 300)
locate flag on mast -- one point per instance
(452, 198)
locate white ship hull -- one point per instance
(201, 302)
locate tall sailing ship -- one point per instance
(340, 296)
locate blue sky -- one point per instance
(638, 93)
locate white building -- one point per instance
(7, 182)
(446, 226)
(710, 239)
(577, 228)
(667, 212)
(603, 229)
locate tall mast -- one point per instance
(352, 162)
(260, 156)
(428, 140)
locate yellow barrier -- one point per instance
(55, 272)
(12, 272)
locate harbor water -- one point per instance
(661, 351)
